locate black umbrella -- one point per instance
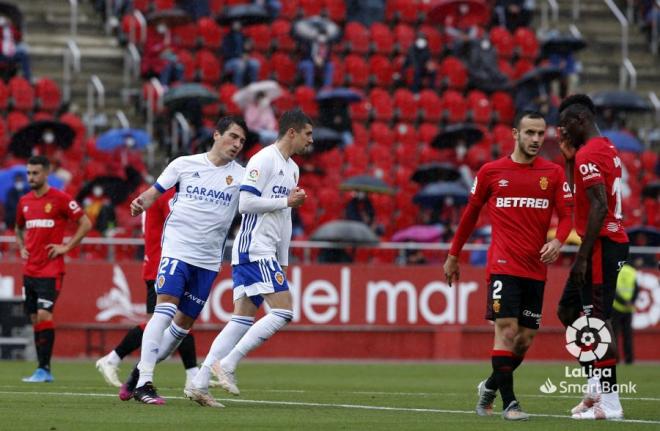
(339, 94)
(12, 12)
(366, 183)
(562, 44)
(651, 233)
(325, 139)
(345, 231)
(309, 29)
(247, 14)
(169, 17)
(116, 188)
(40, 132)
(651, 190)
(542, 74)
(433, 172)
(621, 101)
(434, 194)
(451, 135)
(180, 96)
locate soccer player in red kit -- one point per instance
(595, 168)
(41, 218)
(521, 192)
(153, 222)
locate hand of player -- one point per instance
(55, 250)
(578, 274)
(297, 198)
(452, 271)
(550, 251)
(24, 253)
(565, 147)
(136, 206)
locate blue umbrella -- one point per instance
(7, 180)
(341, 94)
(624, 141)
(434, 194)
(113, 138)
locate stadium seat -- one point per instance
(521, 67)
(142, 5)
(264, 65)
(16, 120)
(429, 154)
(356, 38)
(503, 138)
(339, 72)
(434, 38)
(526, 43)
(285, 102)
(284, 69)
(502, 42)
(208, 66)
(401, 10)
(454, 106)
(260, 35)
(311, 7)
(225, 93)
(164, 4)
(381, 71)
(381, 135)
(381, 105)
(356, 71)
(360, 111)
(48, 95)
(185, 36)
(405, 105)
(189, 64)
(4, 96)
(505, 67)
(75, 123)
(503, 106)
(42, 116)
(453, 73)
(406, 134)
(4, 135)
(357, 158)
(21, 94)
(381, 158)
(336, 10)
(479, 107)
(360, 134)
(382, 40)
(427, 132)
(290, 9)
(210, 33)
(306, 100)
(404, 36)
(216, 6)
(129, 22)
(430, 108)
(281, 35)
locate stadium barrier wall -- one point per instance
(341, 312)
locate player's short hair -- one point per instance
(294, 119)
(225, 123)
(527, 113)
(578, 103)
(39, 160)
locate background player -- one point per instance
(594, 165)
(193, 244)
(41, 218)
(260, 255)
(521, 192)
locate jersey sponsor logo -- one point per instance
(194, 298)
(281, 191)
(589, 171)
(48, 207)
(229, 179)
(279, 277)
(40, 222)
(474, 186)
(73, 205)
(209, 195)
(503, 183)
(543, 183)
(522, 202)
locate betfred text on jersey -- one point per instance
(47, 223)
(522, 203)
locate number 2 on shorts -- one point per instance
(497, 288)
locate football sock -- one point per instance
(607, 370)
(261, 331)
(151, 340)
(113, 358)
(44, 338)
(222, 345)
(171, 340)
(130, 343)
(492, 384)
(503, 364)
(187, 352)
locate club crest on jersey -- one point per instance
(279, 277)
(160, 282)
(48, 207)
(543, 182)
(229, 179)
(496, 306)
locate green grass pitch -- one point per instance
(313, 396)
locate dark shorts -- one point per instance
(41, 293)
(510, 296)
(602, 272)
(151, 295)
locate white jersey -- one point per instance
(267, 175)
(202, 211)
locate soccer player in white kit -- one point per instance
(193, 244)
(260, 255)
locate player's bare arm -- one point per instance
(20, 232)
(597, 197)
(144, 201)
(452, 269)
(296, 198)
(84, 226)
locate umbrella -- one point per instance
(40, 132)
(116, 188)
(542, 74)
(624, 141)
(247, 14)
(651, 233)
(339, 94)
(13, 13)
(449, 137)
(131, 138)
(309, 29)
(325, 139)
(420, 233)
(7, 179)
(434, 194)
(169, 17)
(432, 172)
(620, 101)
(184, 93)
(462, 12)
(562, 44)
(246, 95)
(367, 183)
(345, 231)
(651, 190)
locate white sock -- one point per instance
(265, 328)
(611, 400)
(593, 386)
(172, 337)
(191, 372)
(151, 339)
(222, 345)
(113, 358)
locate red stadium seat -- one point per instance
(360, 110)
(502, 41)
(401, 10)
(75, 123)
(311, 7)
(381, 158)
(336, 10)
(281, 35)
(406, 134)
(42, 116)
(503, 106)
(480, 107)
(210, 33)
(290, 9)
(4, 135)
(430, 107)
(306, 100)
(406, 158)
(454, 73)
(405, 105)
(209, 67)
(16, 120)
(339, 72)
(455, 106)
(404, 36)
(189, 64)
(356, 38)
(434, 38)
(526, 43)
(185, 36)
(264, 65)
(429, 154)
(427, 132)
(260, 35)
(356, 71)
(521, 67)
(381, 104)
(21, 93)
(129, 22)
(382, 40)
(360, 134)
(285, 102)
(225, 93)
(4, 96)
(164, 4)
(216, 6)
(503, 138)
(381, 71)
(357, 158)
(381, 135)
(284, 69)
(505, 67)
(48, 95)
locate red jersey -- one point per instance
(597, 162)
(521, 199)
(44, 220)
(153, 222)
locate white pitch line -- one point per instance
(327, 405)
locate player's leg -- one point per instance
(40, 302)
(188, 355)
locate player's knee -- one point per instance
(567, 315)
(43, 316)
(507, 333)
(522, 344)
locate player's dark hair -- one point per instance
(225, 123)
(578, 103)
(294, 119)
(527, 113)
(39, 160)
